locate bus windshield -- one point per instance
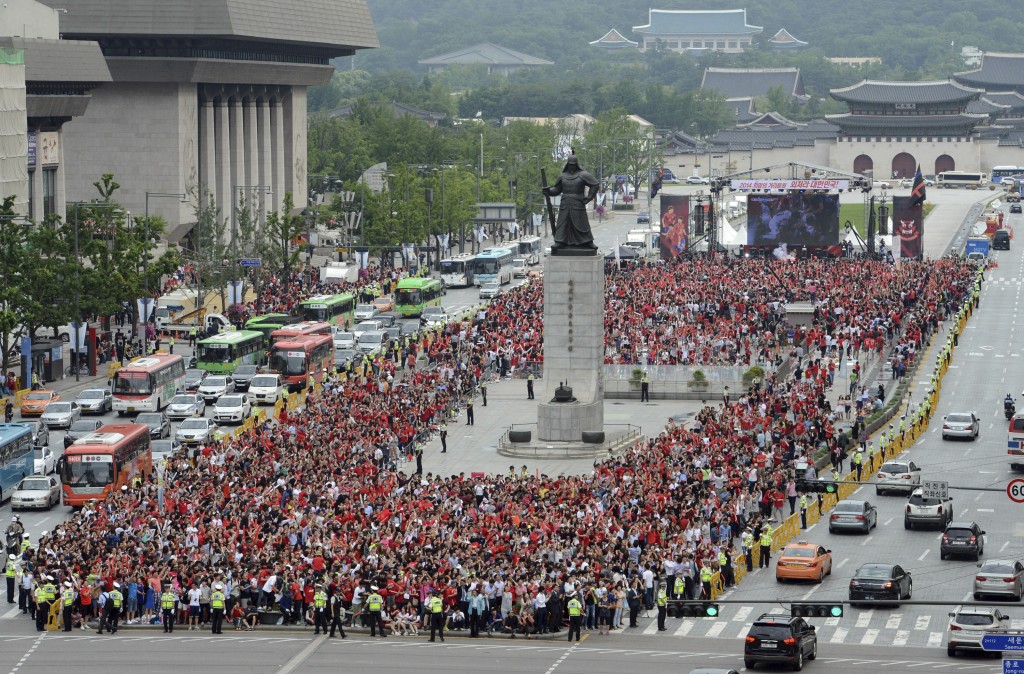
(288, 362)
(133, 383)
(315, 314)
(88, 470)
(453, 266)
(487, 266)
(407, 296)
(214, 353)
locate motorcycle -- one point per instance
(13, 543)
(1009, 409)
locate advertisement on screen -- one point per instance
(675, 225)
(908, 226)
(794, 219)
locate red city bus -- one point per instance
(104, 461)
(302, 329)
(296, 358)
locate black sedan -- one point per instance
(193, 379)
(243, 375)
(80, 429)
(881, 583)
(159, 424)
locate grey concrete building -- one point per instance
(206, 96)
(46, 83)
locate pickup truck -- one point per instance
(209, 324)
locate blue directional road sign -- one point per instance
(1003, 642)
(250, 262)
(1013, 666)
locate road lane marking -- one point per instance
(1004, 546)
(924, 554)
(839, 635)
(652, 628)
(682, 630)
(985, 510)
(866, 541)
(831, 622)
(842, 563)
(742, 614)
(888, 521)
(716, 629)
(922, 622)
(864, 619)
(13, 612)
(934, 639)
(902, 636)
(894, 621)
(869, 638)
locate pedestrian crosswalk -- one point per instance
(867, 627)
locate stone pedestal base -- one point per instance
(573, 347)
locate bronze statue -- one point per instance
(578, 188)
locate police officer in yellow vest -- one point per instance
(167, 602)
(40, 597)
(112, 609)
(804, 503)
(375, 605)
(11, 572)
(217, 606)
(662, 601)
(679, 587)
(435, 607)
(766, 547)
(645, 388)
(320, 609)
(193, 332)
(748, 549)
(67, 601)
(858, 461)
(51, 596)
(575, 615)
(706, 574)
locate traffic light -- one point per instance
(806, 610)
(818, 486)
(696, 609)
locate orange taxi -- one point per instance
(803, 561)
(384, 304)
(35, 401)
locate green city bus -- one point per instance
(225, 351)
(267, 323)
(414, 294)
(333, 309)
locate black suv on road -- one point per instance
(780, 638)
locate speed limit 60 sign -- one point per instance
(1015, 490)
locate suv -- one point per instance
(1001, 239)
(927, 510)
(898, 475)
(780, 638)
(1015, 208)
(968, 625)
(962, 538)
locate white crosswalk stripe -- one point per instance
(716, 629)
(901, 638)
(742, 613)
(684, 628)
(934, 639)
(894, 621)
(839, 636)
(922, 622)
(869, 638)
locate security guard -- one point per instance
(217, 606)
(193, 332)
(679, 587)
(748, 549)
(320, 609)
(111, 610)
(858, 460)
(706, 574)
(662, 602)
(766, 547)
(12, 573)
(167, 602)
(804, 503)
(374, 605)
(51, 598)
(338, 614)
(436, 609)
(575, 615)
(645, 388)
(67, 597)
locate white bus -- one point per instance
(493, 264)
(529, 248)
(457, 272)
(148, 384)
(967, 179)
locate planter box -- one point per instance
(271, 618)
(699, 385)
(622, 207)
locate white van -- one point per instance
(370, 341)
(519, 267)
(265, 389)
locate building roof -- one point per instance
(613, 39)
(1009, 98)
(485, 53)
(742, 108)
(744, 82)
(998, 70)
(784, 40)
(773, 119)
(324, 23)
(875, 91)
(741, 139)
(854, 121)
(986, 107)
(61, 60)
(697, 22)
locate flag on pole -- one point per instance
(917, 192)
(617, 260)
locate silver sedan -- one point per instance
(1003, 577)
(961, 425)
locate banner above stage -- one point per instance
(787, 185)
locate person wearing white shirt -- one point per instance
(648, 576)
(269, 588)
(194, 595)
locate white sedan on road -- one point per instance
(39, 492)
(44, 461)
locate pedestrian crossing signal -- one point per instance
(805, 610)
(696, 609)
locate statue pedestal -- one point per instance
(573, 347)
